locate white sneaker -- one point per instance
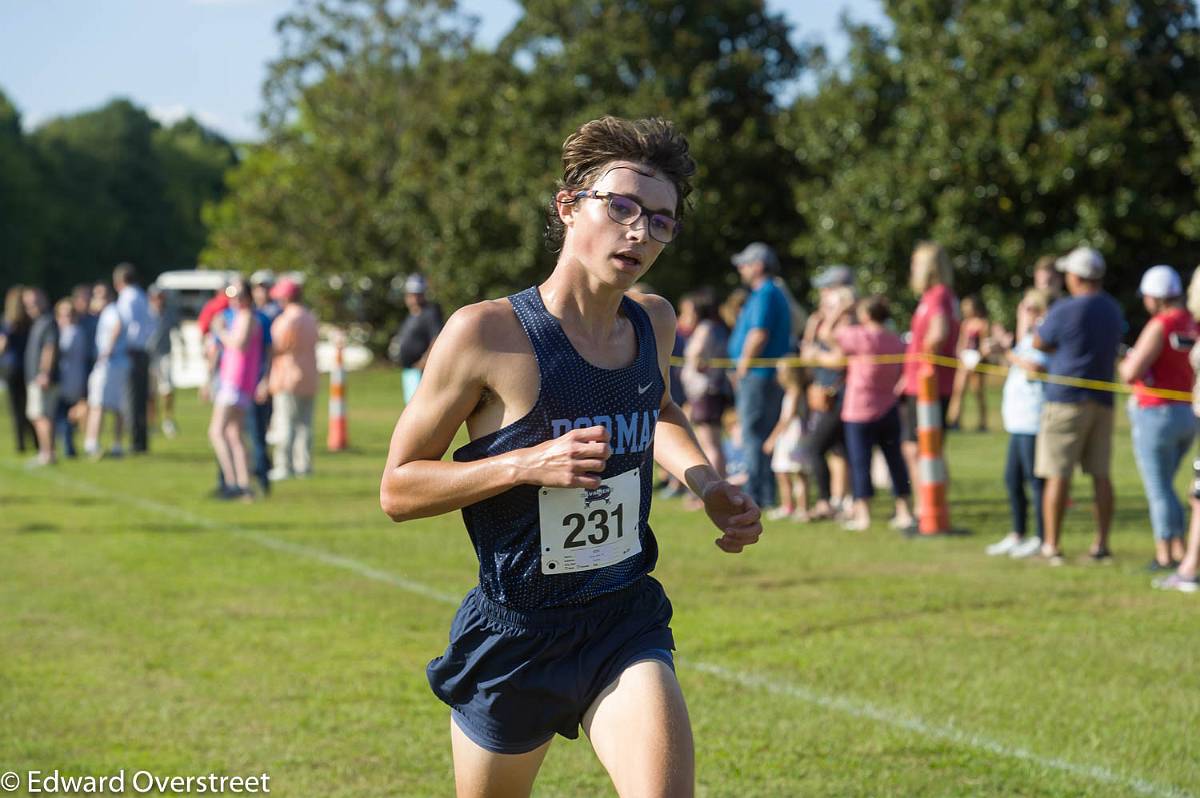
(778, 513)
(1004, 546)
(279, 474)
(169, 429)
(1029, 547)
(856, 525)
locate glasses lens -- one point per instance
(663, 228)
(623, 210)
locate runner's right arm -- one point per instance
(417, 483)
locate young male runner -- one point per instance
(562, 388)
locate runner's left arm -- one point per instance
(677, 450)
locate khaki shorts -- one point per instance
(1074, 434)
(160, 374)
(39, 403)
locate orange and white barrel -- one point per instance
(935, 509)
(338, 438)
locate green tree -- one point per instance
(341, 188)
(193, 160)
(1006, 130)
(108, 193)
(116, 186)
(22, 204)
(396, 145)
(716, 69)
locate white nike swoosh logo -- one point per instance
(643, 388)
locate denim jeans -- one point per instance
(861, 440)
(1018, 470)
(759, 400)
(1162, 435)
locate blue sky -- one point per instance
(208, 57)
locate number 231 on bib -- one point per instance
(587, 528)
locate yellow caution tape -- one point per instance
(953, 362)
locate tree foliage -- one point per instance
(1005, 130)
(84, 192)
(395, 143)
(405, 147)
(22, 228)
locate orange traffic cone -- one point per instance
(935, 509)
(338, 438)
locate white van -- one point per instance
(188, 289)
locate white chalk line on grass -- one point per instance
(840, 704)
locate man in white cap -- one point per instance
(1081, 333)
(417, 333)
(763, 330)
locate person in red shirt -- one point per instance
(211, 308)
(934, 331)
(1162, 428)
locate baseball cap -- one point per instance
(1161, 282)
(1083, 262)
(415, 284)
(758, 251)
(263, 277)
(834, 275)
(286, 290)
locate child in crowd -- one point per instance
(784, 444)
(1021, 411)
(74, 350)
(973, 345)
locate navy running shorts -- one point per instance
(514, 679)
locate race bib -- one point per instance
(587, 528)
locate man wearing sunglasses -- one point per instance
(562, 387)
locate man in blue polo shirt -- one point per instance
(1081, 333)
(763, 330)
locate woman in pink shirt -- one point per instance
(241, 342)
(870, 410)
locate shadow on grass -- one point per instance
(168, 529)
(184, 457)
(37, 527)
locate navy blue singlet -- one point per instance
(573, 394)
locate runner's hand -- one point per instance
(735, 514)
(572, 460)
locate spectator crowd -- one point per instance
(105, 353)
(812, 412)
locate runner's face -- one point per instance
(618, 254)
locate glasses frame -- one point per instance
(606, 197)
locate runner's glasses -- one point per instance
(623, 210)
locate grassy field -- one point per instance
(145, 626)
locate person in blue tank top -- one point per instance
(563, 391)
